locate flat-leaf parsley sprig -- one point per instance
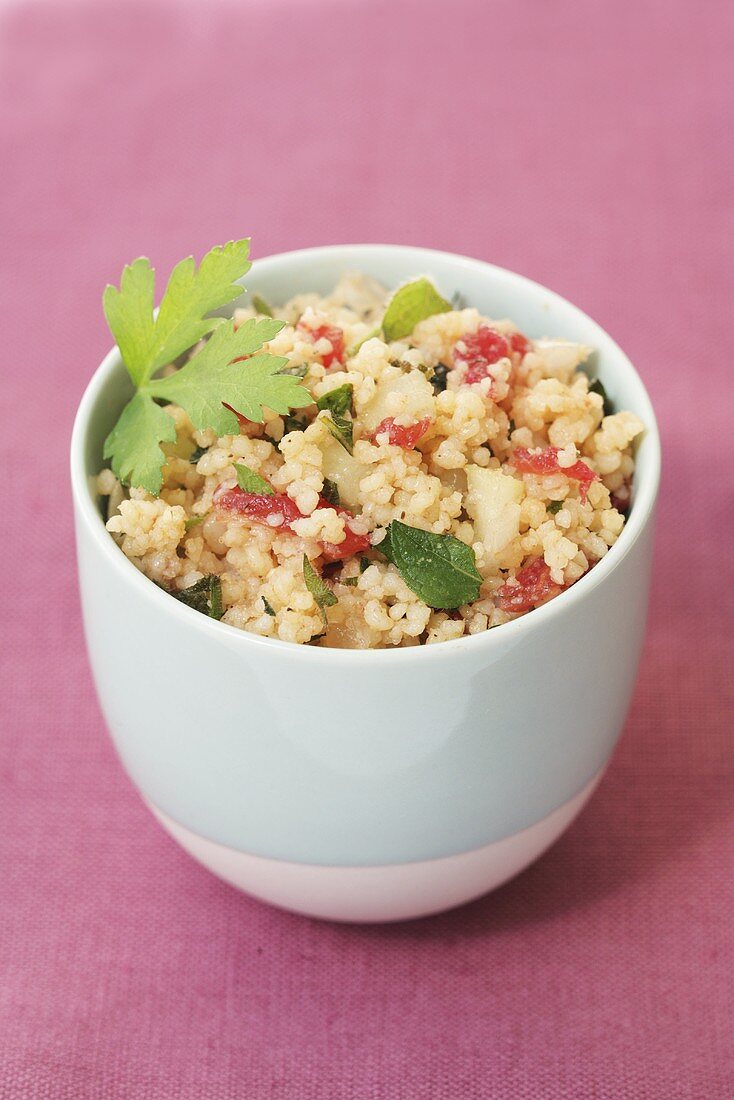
(213, 378)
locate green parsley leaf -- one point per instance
(321, 592)
(194, 521)
(147, 344)
(409, 305)
(337, 401)
(132, 445)
(261, 306)
(364, 564)
(554, 506)
(330, 493)
(251, 482)
(597, 386)
(212, 377)
(269, 610)
(351, 582)
(204, 596)
(440, 569)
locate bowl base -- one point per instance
(397, 891)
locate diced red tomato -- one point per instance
(519, 343)
(399, 436)
(266, 509)
(259, 507)
(479, 351)
(546, 462)
(334, 335)
(534, 586)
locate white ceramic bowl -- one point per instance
(379, 785)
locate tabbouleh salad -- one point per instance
(362, 470)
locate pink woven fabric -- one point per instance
(587, 145)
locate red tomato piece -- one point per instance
(265, 508)
(519, 343)
(399, 436)
(546, 462)
(259, 507)
(334, 335)
(352, 542)
(534, 586)
(479, 351)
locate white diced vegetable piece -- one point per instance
(493, 502)
(343, 469)
(562, 357)
(407, 395)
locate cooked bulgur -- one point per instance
(464, 428)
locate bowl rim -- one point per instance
(639, 517)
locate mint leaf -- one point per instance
(147, 344)
(342, 430)
(212, 378)
(440, 569)
(204, 596)
(321, 592)
(409, 305)
(261, 306)
(132, 445)
(251, 482)
(335, 404)
(337, 401)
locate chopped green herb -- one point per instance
(554, 507)
(409, 305)
(211, 379)
(204, 596)
(335, 404)
(337, 401)
(597, 386)
(194, 521)
(439, 378)
(297, 372)
(293, 424)
(269, 610)
(196, 454)
(330, 492)
(321, 592)
(342, 430)
(261, 306)
(251, 482)
(351, 582)
(364, 564)
(440, 569)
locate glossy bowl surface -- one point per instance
(294, 756)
